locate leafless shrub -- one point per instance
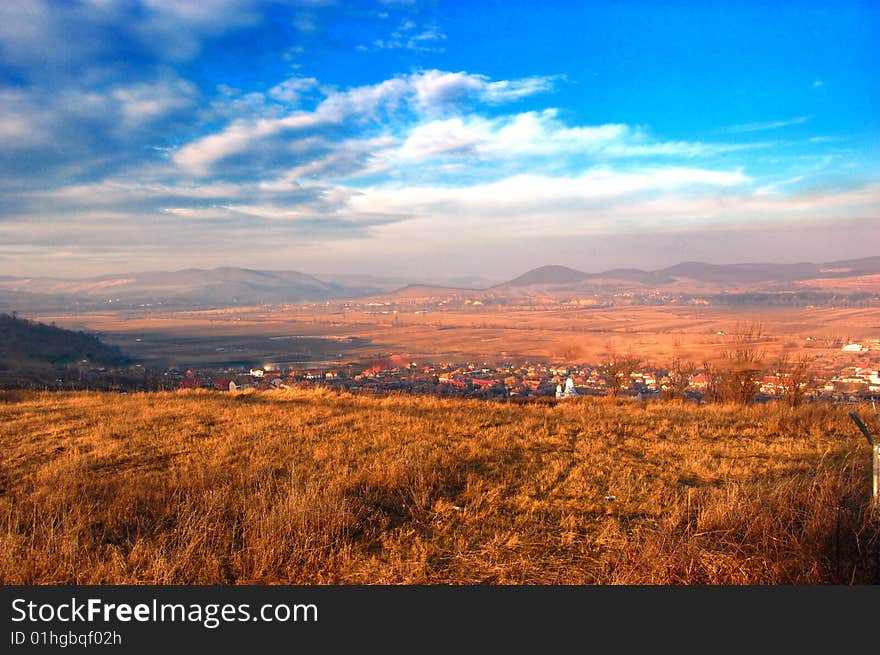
(794, 378)
(739, 378)
(617, 369)
(679, 374)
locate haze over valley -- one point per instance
(228, 286)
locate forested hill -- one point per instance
(29, 349)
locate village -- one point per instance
(853, 377)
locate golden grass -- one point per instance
(576, 335)
(312, 487)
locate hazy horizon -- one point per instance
(461, 276)
(434, 141)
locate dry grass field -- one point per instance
(311, 487)
(579, 335)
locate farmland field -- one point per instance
(335, 332)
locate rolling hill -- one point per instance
(33, 352)
(228, 286)
(423, 291)
(698, 276)
(546, 275)
(190, 287)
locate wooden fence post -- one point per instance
(875, 459)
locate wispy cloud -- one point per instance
(775, 187)
(766, 125)
(828, 139)
(90, 89)
(541, 134)
(269, 144)
(529, 193)
(426, 150)
(410, 36)
(601, 202)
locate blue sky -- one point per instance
(435, 140)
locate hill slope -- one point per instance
(190, 287)
(228, 286)
(863, 266)
(424, 291)
(547, 275)
(716, 276)
(26, 344)
(313, 487)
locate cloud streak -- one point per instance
(410, 36)
(263, 143)
(767, 125)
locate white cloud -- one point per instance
(438, 90)
(435, 89)
(426, 93)
(144, 102)
(766, 125)
(512, 90)
(91, 87)
(529, 193)
(528, 133)
(423, 40)
(428, 156)
(306, 21)
(531, 210)
(205, 13)
(411, 37)
(541, 133)
(775, 188)
(72, 38)
(23, 122)
(291, 90)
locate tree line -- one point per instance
(35, 352)
(735, 378)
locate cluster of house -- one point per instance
(509, 380)
(854, 378)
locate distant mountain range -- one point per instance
(702, 272)
(562, 275)
(227, 286)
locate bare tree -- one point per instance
(679, 375)
(794, 378)
(739, 385)
(740, 379)
(713, 382)
(617, 371)
(747, 347)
